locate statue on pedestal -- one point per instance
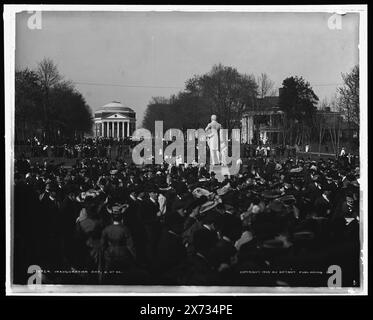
(213, 130)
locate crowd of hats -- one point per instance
(92, 174)
(268, 197)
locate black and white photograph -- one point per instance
(186, 150)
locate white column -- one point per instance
(250, 128)
(128, 129)
(122, 131)
(107, 129)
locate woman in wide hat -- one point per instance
(116, 241)
(89, 227)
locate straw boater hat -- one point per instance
(209, 205)
(87, 195)
(116, 208)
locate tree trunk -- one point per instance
(320, 138)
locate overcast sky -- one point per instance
(126, 53)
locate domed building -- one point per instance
(114, 120)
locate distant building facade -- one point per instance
(264, 123)
(114, 120)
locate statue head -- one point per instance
(213, 117)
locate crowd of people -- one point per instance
(103, 221)
(78, 148)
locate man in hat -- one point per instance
(26, 227)
(148, 209)
(323, 204)
(70, 209)
(198, 269)
(226, 180)
(202, 171)
(347, 208)
(314, 187)
(170, 250)
(224, 251)
(331, 185)
(269, 222)
(133, 220)
(50, 226)
(206, 222)
(213, 182)
(287, 186)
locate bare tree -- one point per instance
(48, 73)
(265, 86)
(48, 77)
(349, 95)
(328, 120)
(349, 99)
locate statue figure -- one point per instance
(212, 130)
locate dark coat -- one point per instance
(322, 207)
(197, 270)
(223, 252)
(147, 212)
(118, 248)
(170, 251)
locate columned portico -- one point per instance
(113, 129)
(114, 121)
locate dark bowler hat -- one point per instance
(210, 216)
(151, 187)
(180, 188)
(163, 186)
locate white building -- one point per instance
(114, 120)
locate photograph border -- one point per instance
(9, 16)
